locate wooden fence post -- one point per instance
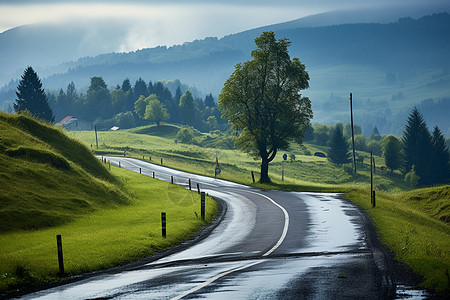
(202, 205)
(60, 255)
(163, 224)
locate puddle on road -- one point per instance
(332, 228)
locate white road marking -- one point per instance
(286, 223)
(211, 280)
(280, 241)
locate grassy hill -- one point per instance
(48, 179)
(51, 184)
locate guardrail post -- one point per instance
(202, 205)
(153, 174)
(60, 255)
(189, 184)
(119, 164)
(171, 179)
(163, 224)
(161, 161)
(140, 170)
(198, 188)
(253, 177)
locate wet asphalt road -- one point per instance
(269, 245)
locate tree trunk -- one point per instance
(264, 171)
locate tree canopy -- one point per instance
(262, 101)
(31, 96)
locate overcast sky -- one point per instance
(168, 22)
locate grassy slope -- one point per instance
(107, 237)
(416, 220)
(47, 179)
(51, 184)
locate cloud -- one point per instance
(153, 23)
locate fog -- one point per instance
(154, 23)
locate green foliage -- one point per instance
(187, 108)
(31, 96)
(185, 136)
(348, 168)
(417, 146)
(338, 151)
(321, 134)
(392, 153)
(124, 120)
(156, 112)
(411, 178)
(440, 160)
(262, 101)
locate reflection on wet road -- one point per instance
(270, 244)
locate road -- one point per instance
(269, 245)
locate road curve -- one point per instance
(270, 244)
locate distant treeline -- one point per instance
(122, 106)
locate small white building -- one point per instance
(71, 123)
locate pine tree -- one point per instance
(417, 147)
(31, 96)
(440, 159)
(338, 152)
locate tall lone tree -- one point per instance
(262, 101)
(31, 96)
(417, 147)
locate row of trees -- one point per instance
(127, 106)
(422, 156)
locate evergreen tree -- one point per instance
(187, 108)
(209, 101)
(140, 89)
(126, 86)
(338, 151)
(417, 147)
(98, 100)
(177, 95)
(440, 160)
(392, 153)
(31, 96)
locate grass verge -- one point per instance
(414, 225)
(104, 238)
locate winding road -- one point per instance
(268, 245)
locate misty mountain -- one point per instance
(389, 67)
(50, 44)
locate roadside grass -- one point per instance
(415, 226)
(104, 238)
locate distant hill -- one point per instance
(46, 178)
(389, 67)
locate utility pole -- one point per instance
(371, 177)
(96, 140)
(353, 135)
